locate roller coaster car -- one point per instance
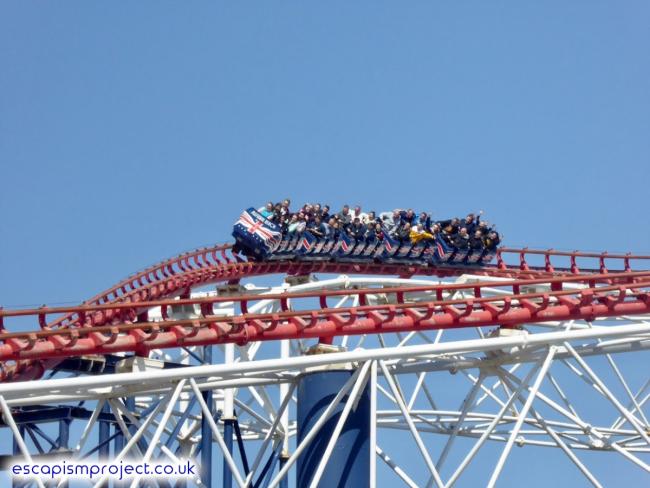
(262, 240)
(256, 236)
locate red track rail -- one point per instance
(97, 315)
(559, 304)
(177, 276)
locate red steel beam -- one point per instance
(173, 284)
(112, 310)
(586, 304)
(218, 255)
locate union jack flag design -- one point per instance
(441, 250)
(344, 245)
(260, 229)
(306, 244)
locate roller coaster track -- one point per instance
(582, 286)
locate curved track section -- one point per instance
(106, 322)
(524, 301)
(178, 275)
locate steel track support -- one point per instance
(228, 438)
(129, 404)
(118, 442)
(18, 433)
(217, 434)
(372, 473)
(276, 453)
(206, 432)
(522, 415)
(104, 434)
(399, 399)
(64, 439)
(284, 482)
(285, 352)
(155, 439)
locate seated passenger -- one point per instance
(409, 216)
(297, 224)
(471, 222)
(374, 232)
(317, 227)
(476, 241)
(284, 207)
(391, 220)
(325, 213)
(283, 222)
(425, 220)
(317, 210)
(379, 232)
(449, 229)
(327, 228)
(334, 228)
(344, 215)
(483, 228)
(418, 234)
(267, 211)
(277, 212)
(358, 214)
(371, 218)
(461, 241)
(403, 232)
(345, 227)
(357, 230)
(450, 226)
(492, 241)
(369, 236)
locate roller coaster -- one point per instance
(189, 358)
(261, 239)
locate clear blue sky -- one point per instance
(131, 131)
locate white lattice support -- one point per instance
(489, 429)
(416, 436)
(522, 416)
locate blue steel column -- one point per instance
(206, 431)
(227, 437)
(284, 482)
(349, 464)
(64, 439)
(118, 441)
(129, 403)
(104, 434)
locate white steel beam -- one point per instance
(522, 415)
(120, 383)
(412, 428)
